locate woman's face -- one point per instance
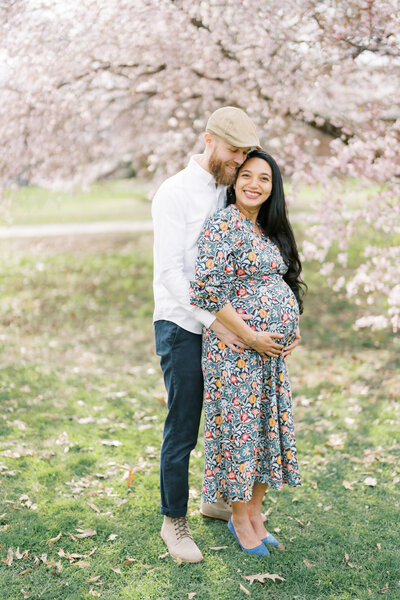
(253, 185)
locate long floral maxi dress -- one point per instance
(249, 432)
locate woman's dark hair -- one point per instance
(274, 222)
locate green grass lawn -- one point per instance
(82, 410)
(104, 201)
(126, 200)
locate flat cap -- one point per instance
(234, 126)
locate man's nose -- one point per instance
(239, 160)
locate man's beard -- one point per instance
(219, 171)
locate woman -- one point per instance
(248, 263)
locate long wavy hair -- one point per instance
(273, 220)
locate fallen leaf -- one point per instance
(129, 560)
(81, 563)
(192, 595)
(326, 508)
(84, 533)
(335, 441)
(93, 579)
(300, 523)
(384, 590)
(308, 563)
(161, 556)
(25, 572)
(53, 540)
(379, 547)
(177, 560)
(25, 594)
(218, 547)
(2, 516)
(346, 560)
(347, 485)
(371, 481)
(93, 592)
(112, 537)
(261, 576)
(116, 570)
(9, 559)
(244, 589)
(130, 477)
(111, 442)
(277, 530)
(94, 507)
(20, 555)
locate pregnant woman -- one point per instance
(248, 264)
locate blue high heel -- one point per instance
(270, 539)
(260, 550)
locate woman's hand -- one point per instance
(265, 344)
(287, 351)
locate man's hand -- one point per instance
(287, 351)
(230, 339)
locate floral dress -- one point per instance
(249, 432)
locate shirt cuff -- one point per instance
(205, 317)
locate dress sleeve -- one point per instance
(215, 265)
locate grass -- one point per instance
(127, 200)
(82, 414)
(106, 201)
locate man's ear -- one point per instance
(208, 137)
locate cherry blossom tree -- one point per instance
(86, 85)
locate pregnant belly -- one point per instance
(271, 308)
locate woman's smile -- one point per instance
(253, 186)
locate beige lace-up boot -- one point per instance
(179, 541)
(221, 509)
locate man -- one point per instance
(180, 207)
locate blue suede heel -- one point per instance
(260, 550)
(270, 540)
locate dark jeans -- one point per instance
(180, 353)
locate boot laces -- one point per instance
(182, 528)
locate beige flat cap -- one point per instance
(234, 126)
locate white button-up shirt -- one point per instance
(180, 207)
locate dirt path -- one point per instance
(65, 229)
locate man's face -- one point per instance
(225, 160)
